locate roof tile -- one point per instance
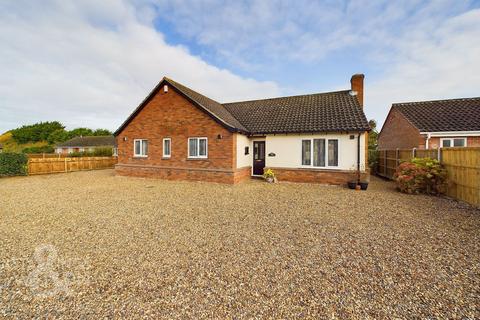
(443, 115)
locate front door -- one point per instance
(258, 157)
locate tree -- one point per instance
(102, 132)
(80, 132)
(57, 136)
(373, 135)
(372, 144)
(35, 132)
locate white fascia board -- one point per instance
(452, 133)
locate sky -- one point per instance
(90, 63)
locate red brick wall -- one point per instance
(191, 174)
(473, 141)
(335, 177)
(397, 132)
(170, 115)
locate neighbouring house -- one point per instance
(86, 144)
(177, 133)
(432, 124)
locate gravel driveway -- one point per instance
(92, 245)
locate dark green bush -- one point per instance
(35, 132)
(99, 152)
(43, 149)
(13, 164)
(103, 152)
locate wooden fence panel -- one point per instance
(462, 164)
(58, 165)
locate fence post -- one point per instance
(396, 158)
(66, 164)
(414, 152)
(439, 154)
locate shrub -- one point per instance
(13, 164)
(103, 152)
(98, 152)
(35, 132)
(269, 174)
(421, 176)
(42, 149)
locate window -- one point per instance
(140, 148)
(197, 148)
(318, 156)
(306, 152)
(333, 153)
(319, 152)
(453, 142)
(167, 145)
(247, 151)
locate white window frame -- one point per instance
(141, 148)
(451, 142)
(164, 155)
(326, 154)
(198, 146)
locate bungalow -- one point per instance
(179, 134)
(86, 144)
(432, 125)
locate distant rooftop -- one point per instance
(442, 115)
(89, 141)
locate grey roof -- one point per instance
(89, 141)
(321, 112)
(442, 115)
(213, 106)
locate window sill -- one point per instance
(166, 158)
(196, 159)
(140, 157)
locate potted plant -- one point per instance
(363, 183)
(352, 179)
(269, 176)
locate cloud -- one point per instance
(436, 62)
(409, 50)
(90, 63)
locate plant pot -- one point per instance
(357, 187)
(363, 185)
(352, 184)
(270, 179)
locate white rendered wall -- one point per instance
(242, 159)
(288, 150)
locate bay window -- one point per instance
(320, 152)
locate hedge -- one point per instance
(13, 164)
(42, 149)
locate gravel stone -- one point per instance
(92, 245)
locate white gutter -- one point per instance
(452, 133)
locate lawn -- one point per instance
(92, 245)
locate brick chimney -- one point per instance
(357, 86)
